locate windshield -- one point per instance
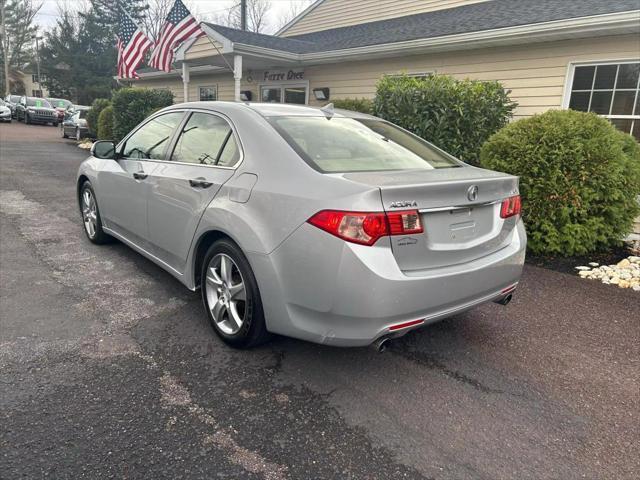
(14, 98)
(82, 114)
(38, 102)
(59, 103)
(338, 145)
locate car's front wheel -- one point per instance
(78, 136)
(62, 132)
(27, 120)
(91, 215)
(231, 297)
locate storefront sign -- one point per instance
(279, 76)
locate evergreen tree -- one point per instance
(16, 43)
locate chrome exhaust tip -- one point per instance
(381, 344)
(505, 300)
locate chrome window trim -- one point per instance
(236, 135)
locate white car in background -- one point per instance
(5, 112)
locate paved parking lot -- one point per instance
(108, 369)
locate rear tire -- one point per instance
(64, 135)
(91, 216)
(231, 297)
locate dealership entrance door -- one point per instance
(285, 93)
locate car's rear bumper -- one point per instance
(322, 289)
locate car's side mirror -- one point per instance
(105, 149)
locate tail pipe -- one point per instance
(381, 344)
(507, 295)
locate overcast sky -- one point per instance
(202, 9)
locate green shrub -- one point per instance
(362, 105)
(132, 105)
(455, 115)
(94, 113)
(579, 178)
(105, 124)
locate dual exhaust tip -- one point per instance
(381, 344)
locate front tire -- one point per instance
(91, 215)
(27, 120)
(231, 297)
(78, 136)
(64, 135)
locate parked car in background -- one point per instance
(61, 105)
(326, 225)
(36, 110)
(75, 124)
(5, 112)
(12, 101)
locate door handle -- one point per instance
(199, 183)
(140, 175)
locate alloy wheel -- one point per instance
(89, 213)
(226, 294)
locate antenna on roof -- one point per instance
(328, 110)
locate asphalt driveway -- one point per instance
(108, 369)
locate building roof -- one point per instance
(476, 17)
(464, 19)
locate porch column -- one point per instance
(237, 75)
(185, 81)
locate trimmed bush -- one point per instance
(456, 115)
(105, 124)
(362, 105)
(132, 105)
(579, 178)
(94, 113)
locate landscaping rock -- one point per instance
(624, 274)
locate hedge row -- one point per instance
(112, 120)
(455, 115)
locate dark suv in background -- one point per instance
(36, 110)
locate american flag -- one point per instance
(179, 26)
(132, 44)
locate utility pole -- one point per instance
(38, 60)
(243, 14)
(5, 47)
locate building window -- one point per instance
(209, 94)
(608, 89)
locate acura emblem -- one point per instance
(472, 193)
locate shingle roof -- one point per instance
(465, 19)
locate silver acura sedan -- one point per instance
(325, 225)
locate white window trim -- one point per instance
(282, 85)
(412, 74)
(571, 68)
(200, 87)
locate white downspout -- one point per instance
(237, 75)
(185, 81)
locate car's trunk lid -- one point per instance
(459, 209)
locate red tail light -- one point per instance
(510, 207)
(366, 228)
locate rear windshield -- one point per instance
(59, 103)
(38, 102)
(338, 145)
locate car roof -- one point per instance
(270, 109)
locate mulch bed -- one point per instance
(569, 264)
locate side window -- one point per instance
(206, 140)
(151, 140)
